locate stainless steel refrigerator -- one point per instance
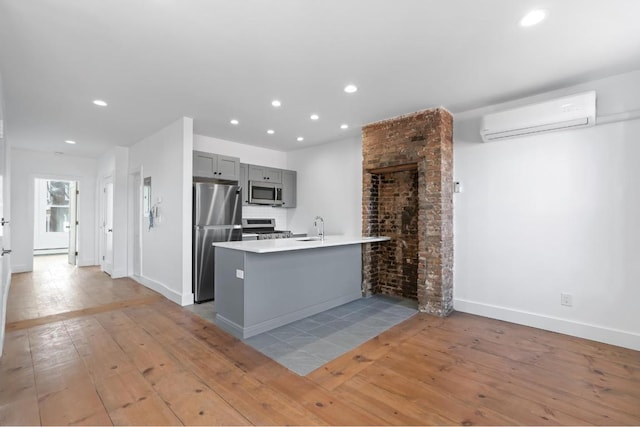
(217, 217)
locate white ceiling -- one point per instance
(154, 61)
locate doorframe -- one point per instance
(40, 235)
(134, 223)
(102, 218)
(31, 208)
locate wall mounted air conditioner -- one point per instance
(569, 112)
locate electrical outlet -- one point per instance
(566, 299)
(240, 274)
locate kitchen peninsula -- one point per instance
(263, 284)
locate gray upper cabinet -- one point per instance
(243, 182)
(263, 173)
(289, 189)
(209, 165)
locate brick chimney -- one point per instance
(407, 194)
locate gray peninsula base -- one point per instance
(281, 287)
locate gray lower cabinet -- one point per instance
(243, 182)
(289, 189)
(209, 165)
(263, 173)
(281, 287)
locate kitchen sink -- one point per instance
(309, 239)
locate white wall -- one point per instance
(246, 153)
(329, 185)
(5, 231)
(25, 167)
(166, 157)
(550, 214)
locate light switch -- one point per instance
(457, 187)
(240, 274)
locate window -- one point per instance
(57, 207)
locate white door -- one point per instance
(73, 222)
(107, 226)
(5, 236)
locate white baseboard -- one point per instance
(187, 299)
(24, 268)
(160, 288)
(85, 262)
(116, 274)
(606, 335)
(58, 251)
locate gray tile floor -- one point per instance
(309, 343)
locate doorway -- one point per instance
(135, 224)
(107, 226)
(55, 219)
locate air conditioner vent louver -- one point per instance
(575, 111)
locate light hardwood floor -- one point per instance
(144, 360)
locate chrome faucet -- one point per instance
(319, 228)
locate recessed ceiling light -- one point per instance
(234, 122)
(534, 17)
(100, 102)
(350, 88)
(271, 131)
(276, 103)
(344, 126)
(314, 117)
(68, 141)
(300, 139)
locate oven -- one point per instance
(262, 229)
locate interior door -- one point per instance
(107, 227)
(5, 237)
(73, 222)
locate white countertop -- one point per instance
(296, 243)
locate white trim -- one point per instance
(58, 251)
(31, 210)
(603, 334)
(102, 214)
(162, 289)
(42, 239)
(134, 246)
(116, 274)
(24, 268)
(85, 262)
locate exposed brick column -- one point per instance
(421, 141)
(370, 228)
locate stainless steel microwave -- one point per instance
(265, 193)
